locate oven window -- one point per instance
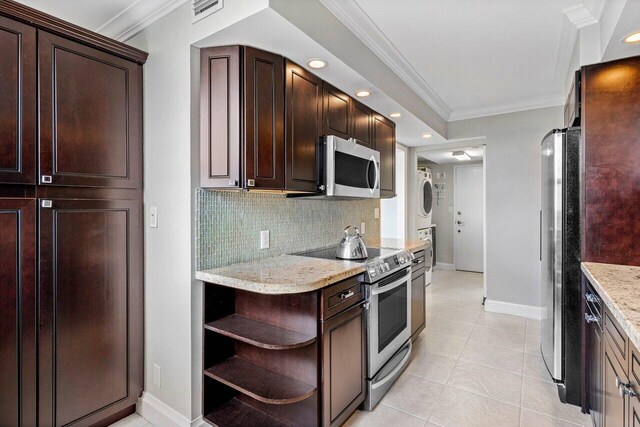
(392, 315)
(353, 171)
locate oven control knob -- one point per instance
(401, 260)
(386, 267)
(381, 268)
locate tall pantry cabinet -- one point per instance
(71, 225)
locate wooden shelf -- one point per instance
(260, 334)
(258, 382)
(235, 413)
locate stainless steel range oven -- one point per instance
(388, 332)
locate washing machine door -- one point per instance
(426, 198)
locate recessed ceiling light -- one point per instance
(460, 155)
(632, 38)
(395, 115)
(317, 63)
(363, 93)
(426, 135)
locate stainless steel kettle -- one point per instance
(351, 246)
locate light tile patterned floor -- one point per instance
(472, 368)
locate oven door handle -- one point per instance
(395, 371)
(392, 285)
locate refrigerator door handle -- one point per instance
(540, 237)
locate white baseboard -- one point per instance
(160, 414)
(444, 266)
(528, 311)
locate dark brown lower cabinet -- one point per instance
(17, 312)
(614, 401)
(418, 296)
(612, 367)
(343, 365)
(90, 309)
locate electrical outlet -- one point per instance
(376, 213)
(156, 376)
(264, 239)
(362, 228)
(153, 217)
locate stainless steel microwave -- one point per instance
(350, 170)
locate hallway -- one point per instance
(472, 368)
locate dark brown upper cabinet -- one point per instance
(361, 123)
(90, 117)
(220, 148)
(303, 121)
(264, 119)
(17, 102)
(384, 137)
(90, 336)
(17, 312)
(336, 112)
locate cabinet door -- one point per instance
(303, 128)
(614, 405)
(361, 123)
(17, 313)
(384, 131)
(336, 111)
(220, 144)
(343, 365)
(17, 102)
(634, 380)
(90, 116)
(418, 294)
(264, 119)
(91, 308)
(594, 372)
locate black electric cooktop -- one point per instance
(330, 253)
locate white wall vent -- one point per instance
(203, 8)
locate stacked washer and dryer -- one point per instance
(423, 221)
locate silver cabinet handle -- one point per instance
(418, 261)
(346, 295)
(590, 318)
(591, 297)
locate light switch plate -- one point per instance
(363, 228)
(376, 213)
(264, 239)
(153, 217)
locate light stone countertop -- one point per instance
(619, 287)
(292, 274)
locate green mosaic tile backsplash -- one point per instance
(228, 225)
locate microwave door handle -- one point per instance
(377, 169)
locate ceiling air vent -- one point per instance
(204, 8)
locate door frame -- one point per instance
(456, 168)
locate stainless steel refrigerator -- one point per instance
(560, 254)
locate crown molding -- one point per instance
(581, 16)
(137, 16)
(356, 19)
(529, 104)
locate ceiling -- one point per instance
(119, 19)
(443, 156)
(473, 58)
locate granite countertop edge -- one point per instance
(231, 275)
(621, 313)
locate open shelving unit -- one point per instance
(260, 358)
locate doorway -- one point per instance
(468, 218)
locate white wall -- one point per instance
(513, 201)
(172, 297)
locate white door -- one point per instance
(467, 217)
